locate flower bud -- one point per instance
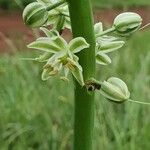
(115, 90)
(127, 23)
(35, 15)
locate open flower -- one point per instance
(61, 56)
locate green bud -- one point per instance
(59, 24)
(110, 46)
(115, 90)
(103, 59)
(127, 23)
(35, 15)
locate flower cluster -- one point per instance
(105, 44)
(45, 12)
(125, 24)
(59, 55)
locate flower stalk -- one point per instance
(110, 30)
(90, 45)
(50, 7)
(82, 25)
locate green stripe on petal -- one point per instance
(121, 84)
(102, 59)
(78, 44)
(60, 42)
(49, 33)
(35, 14)
(107, 47)
(46, 45)
(49, 45)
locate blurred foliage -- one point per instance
(37, 115)
(16, 4)
(120, 3)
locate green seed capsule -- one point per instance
(127, 23)
(115, 90)
(35, 15)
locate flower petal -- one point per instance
(76, 71)
(78, 44)
(49, 33)
(98, 28)
(49, 45)
(107, 47)
(102, 59)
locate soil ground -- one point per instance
(15, 35)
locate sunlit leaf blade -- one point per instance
(102, 59)
(78, 44)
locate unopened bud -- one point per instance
(115, 90)
(127, 23)
(35, 15)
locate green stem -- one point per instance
(53, 6)
(145, 26)
(138, 102)
(82, 26)
(110, 30)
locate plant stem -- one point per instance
(138, 102)
(145, 26)
(112, 29)
(52, 6)
(82, 26)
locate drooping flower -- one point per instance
(115, 90)
(35, 14)
(127, 23)
(60, 56)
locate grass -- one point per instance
(37, 115)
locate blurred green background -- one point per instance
(15, 4)
(37, 115)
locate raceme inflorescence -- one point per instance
(59, 57)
